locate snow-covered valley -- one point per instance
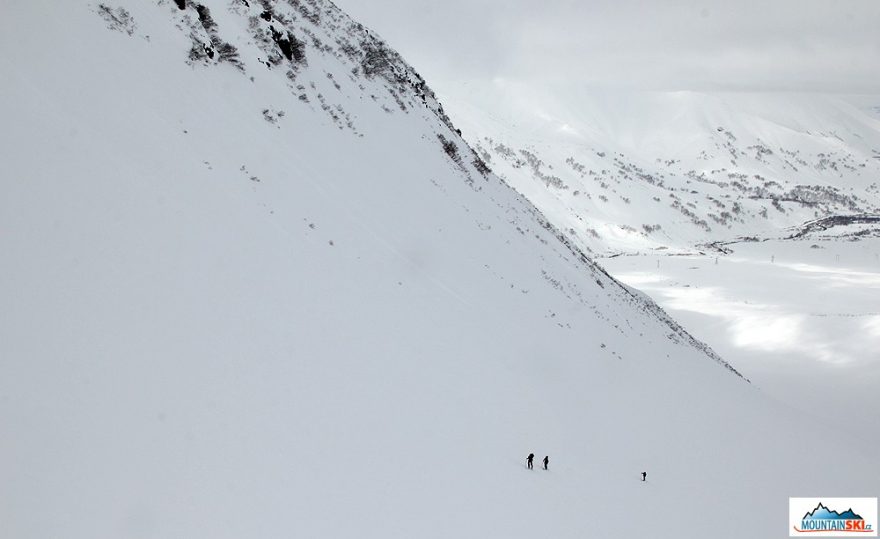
(798, 318)
(255, 284)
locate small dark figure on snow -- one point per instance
(546, 462)
(644, 475)
(529, 460)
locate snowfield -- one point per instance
(798, 318)
(256, 285)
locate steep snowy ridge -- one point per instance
(359, 59)
(255, 285)
(678, 334)
(284, 36)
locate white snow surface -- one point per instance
(220, 321)
(799, 318)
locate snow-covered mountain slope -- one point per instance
(642, 171)
(255, 285)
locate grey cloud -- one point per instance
(806, 45)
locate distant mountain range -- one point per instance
(650, 171)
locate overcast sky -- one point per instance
(803, 45)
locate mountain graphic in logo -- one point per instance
(823, 519)
(823, 513)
